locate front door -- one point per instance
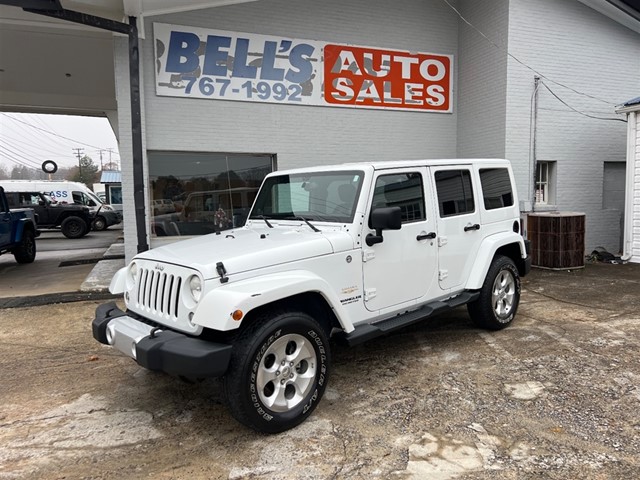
(403, 267)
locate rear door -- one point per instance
(459, 227)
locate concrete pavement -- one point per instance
(59, 277)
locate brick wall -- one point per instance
(482, 79)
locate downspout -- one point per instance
(533, 157)
(627, 247)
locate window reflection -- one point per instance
(200, 193)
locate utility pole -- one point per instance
(79, 152)
(101, 164)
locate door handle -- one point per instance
(426, 236)
(472, 227)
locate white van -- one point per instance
(63, 191)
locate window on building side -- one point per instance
(545, 172)
(200, 193)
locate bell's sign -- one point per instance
(202, 63)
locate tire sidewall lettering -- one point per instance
(319, 346)
(514, 273)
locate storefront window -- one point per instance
(200, 193)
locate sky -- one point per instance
(30, 139)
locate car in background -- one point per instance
(73, 220)
(163, 206)
(65, 192)
(18, 231)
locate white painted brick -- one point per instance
(563, 39)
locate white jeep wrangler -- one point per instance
(353, 251)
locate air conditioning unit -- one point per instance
(557, 239)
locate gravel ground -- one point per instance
(556, 395)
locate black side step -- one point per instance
(363, 333)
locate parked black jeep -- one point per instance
(74, 220)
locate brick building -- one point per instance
(535, 82)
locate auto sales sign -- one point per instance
(202, 63)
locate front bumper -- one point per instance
(159, 350)
(111, 217)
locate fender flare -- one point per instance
(119, 281)
(215, 309)
(487, 251)
(20, 226)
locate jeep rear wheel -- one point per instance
(74, 227)
(278, 371)
(26, 251)
(499, 296)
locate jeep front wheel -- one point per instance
(499, 296)
(278, 371)
(74, 227)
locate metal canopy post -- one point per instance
(136, 135)
(131, 30)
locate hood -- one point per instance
(247, 249)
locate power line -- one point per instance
(578, 111)
(50, 133)
(19, 131)
(33, 149)
(18, 154)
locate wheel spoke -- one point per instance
(277, 398)
(304, 351)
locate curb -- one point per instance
(51, 298)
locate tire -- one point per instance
(74, 227)
(278, 371)
(26, 251)
(499, 297)
(99, 224)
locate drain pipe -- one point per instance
(533, 157)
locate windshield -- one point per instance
(321, 196)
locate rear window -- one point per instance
(496, 188)
(455, 192)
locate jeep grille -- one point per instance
(157, 294)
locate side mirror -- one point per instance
(387, 218)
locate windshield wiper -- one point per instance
(297, 217)
(262, 217)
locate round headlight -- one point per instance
(133, 270)
(195, 287)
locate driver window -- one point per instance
(402, 190)
(77, 198)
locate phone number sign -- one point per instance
(215, 64)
